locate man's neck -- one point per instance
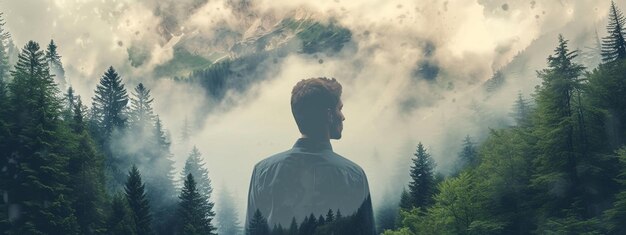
(319, 138)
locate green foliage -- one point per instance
(293, 228)
(5, 128)
(214, 78)
(37, 150)
(614, 45)
(160, 185)
(137, 55)
(402, 231)
(69, 102)
(61, 218)
(195, 212)
(522, 111)
(4, 51)
(108, 118)
(319, 37)
(406, 202)
(604, 84)
(572, 224)
(183, 63)
(195, 165)
(616, 215)
(54, 62)
(557, 162)
(386, 216)
(87, 180)
(422, 185)
(468, 157)
(506, 168)
(330, 217)
(258, 225)
(141, 113)
(109, 103)
(462, 206)
(138, 203)
(120, 220)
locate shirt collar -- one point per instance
(313, 144)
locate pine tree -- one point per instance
(558, 161)
(258, 225)
(495, 83)
(6, 45)
(195, 165)
(141, 113)
(422, 185)
(5, 134)
(321, 221)
(4, 51)
(161, 159)
(160, 183)
(120, 221)
(108, 118)
(468, 157)
(69, 103)
(293, 228)
(387, 216)
(109, 103)
(78, 118)
(607, 83)
(614, 45)
(406, 201)
(4, 35)
(138, 203)
(61, 214)
(54, 62)
(40, 166)
(522, 111)
(87, 177)
(278, 230)
(227, 217)
(195, 213)
(330, 217)
(308, 225)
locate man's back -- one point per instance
(310, 179)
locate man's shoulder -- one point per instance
(346, 163)
(272, 160)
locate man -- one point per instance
(310, 186)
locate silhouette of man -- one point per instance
(310, 184)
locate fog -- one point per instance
(389, 107)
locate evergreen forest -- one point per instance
(66, 166)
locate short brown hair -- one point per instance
(310, 100)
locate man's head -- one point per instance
(316, 106)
